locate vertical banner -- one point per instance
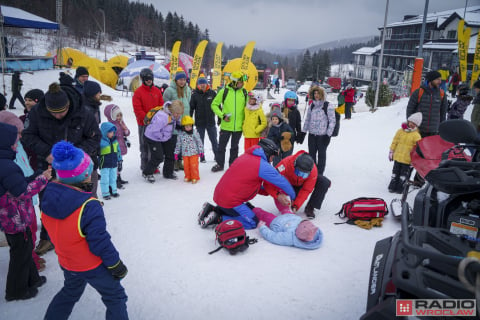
(217, 67)
(417, 74)
(247, 56)
(174, 59)
(197, 63)
(463, 43)
(476, 62)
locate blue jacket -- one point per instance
(60, 201)
(110, 152)
(11, 176)
(282, 232)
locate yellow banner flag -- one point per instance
(476, 62)
(197, 63)
(463, 42)
(174, 59)
(247, 56)
(217, 67)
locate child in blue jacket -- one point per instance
(110, 155)
(289, 230)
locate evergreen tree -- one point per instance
(305, 72)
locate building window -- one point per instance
(452, 34)
(388, 34)
(361, 60)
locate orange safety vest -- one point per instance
(70, 243)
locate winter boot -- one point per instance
(119, 178)
(119, 184)
(393, 185)
(211, 219)
(401, 183)
(43, 247)
(202, 159)
(150, 178)
(206, 209)
(217, 168)
(310, 212)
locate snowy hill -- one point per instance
(171, 276)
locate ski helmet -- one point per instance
(187, 121)
(304, 162)
(236, 76)
(291, 95)
(269, 147)
(463, 89)
(256, 96)
(146, 74)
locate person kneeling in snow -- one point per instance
(241, 183)
(301, 171)
(289, 230)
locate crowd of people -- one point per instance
(58, 152)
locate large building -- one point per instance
(402, 40)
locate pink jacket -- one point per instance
(17, 213)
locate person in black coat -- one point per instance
(16, 88)
(200, 105)
(91, 98)
(60, 116)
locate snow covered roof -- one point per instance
(453, 46)
(14, 17)
(368, 50)
(472, 17)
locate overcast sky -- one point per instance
(295, 24)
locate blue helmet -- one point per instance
(291, 95)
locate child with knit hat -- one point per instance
(404, 141)
(282, 134)
(16, 215)
(22, 160)
(190, 146)
(255, 121)
(288, 230)
(115, 116)
(76, 224)
(110, 155)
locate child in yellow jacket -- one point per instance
(404, 141)
(255, 121)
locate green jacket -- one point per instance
(170, 94)
(234, 104)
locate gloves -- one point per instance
(363, 224)
(375, 222)
(178, 126)
(390, 155)
(227, 116)
(176, 157)
(201, 155)
(66, 79)
(120, 165)
(285, 144)
(127, 142)
(119, 270)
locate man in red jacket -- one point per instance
(301, 172)
(146, 97)
(349, 94)
(242, 182)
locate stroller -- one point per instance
(431, 256)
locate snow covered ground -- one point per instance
(171, 276)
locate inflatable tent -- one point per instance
(129, 78)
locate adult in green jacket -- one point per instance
(232, 114)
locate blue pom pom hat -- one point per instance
(72, 164)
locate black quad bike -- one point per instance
(431, 256)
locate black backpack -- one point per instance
(337, 118)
